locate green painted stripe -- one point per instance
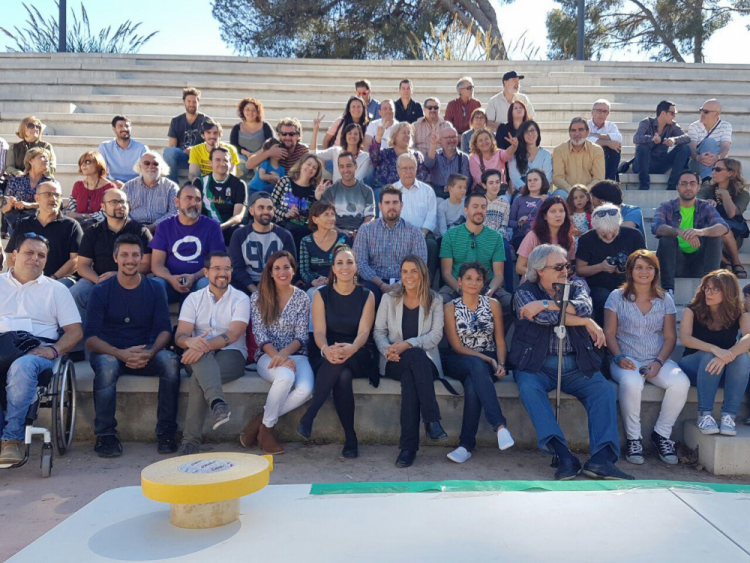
(509, 486)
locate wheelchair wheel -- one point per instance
(47, 460)
(64, 407)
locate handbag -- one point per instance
(13, 345)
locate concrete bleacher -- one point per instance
(76, 96)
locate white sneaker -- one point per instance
(728, 427)
(504, 439)
(460, 455)
(707, 424)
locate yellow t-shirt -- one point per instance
(200, 155)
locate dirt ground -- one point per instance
(31, 505)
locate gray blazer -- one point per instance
(388, 328)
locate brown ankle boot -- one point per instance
(268, 442)
(249, 436)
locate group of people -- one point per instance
(411, 263)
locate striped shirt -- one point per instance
(640, 337)
(462, 246)
(420, 205)
(149, 206)
(441, 167)
(291, 158)
(379, 249)
(722, 133)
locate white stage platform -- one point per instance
(285, 523)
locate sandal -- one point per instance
(739, 271)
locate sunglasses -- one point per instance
(33, 236)
(473, 325)
(148, 163)
(432, 107)
(560, 267)
(33, 126)
(707, 111)
(473, 238)
(469, 87)
(288, 134)
(604, 212)
(720, 169)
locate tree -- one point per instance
(348, 29)
(668, 30)
(41, 35)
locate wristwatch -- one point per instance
(545, 304)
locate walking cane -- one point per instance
(563, 290)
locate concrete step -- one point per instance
(721, 455)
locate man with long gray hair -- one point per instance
(534, 357)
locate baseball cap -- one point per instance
(512, 74)
(259, 195)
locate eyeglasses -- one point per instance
(720, 169)
(601, 111)
(220, 269)
(33, 126)
(469, 87)
(50, 195)
(707, 111)
(116, 202)
(283, 134)
(150, 163)
(692, 184)
(604, 212)
(560, 267)
(714, 290)
(672, 113)
(432, 107)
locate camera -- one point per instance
(620, 260)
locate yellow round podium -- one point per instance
(204, 490)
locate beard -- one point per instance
(264, 219)
(191, 212)
(578, 143)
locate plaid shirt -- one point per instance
(380, 249)
(578, 298)
(649, 127)
(668, 213)
(441, 167)
(151, 206)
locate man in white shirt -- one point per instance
(497, 109)
(387, 121)
(420, 205)
(710, 138)
(33, 303)
(211, 330)
(606, 134)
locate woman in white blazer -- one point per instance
(408, 329)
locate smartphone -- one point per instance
(643, 370)
(183, 280)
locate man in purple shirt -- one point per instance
(181, 244)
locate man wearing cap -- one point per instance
(497, 109)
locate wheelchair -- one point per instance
(56, 390)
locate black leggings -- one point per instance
(336, 378)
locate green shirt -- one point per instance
(687, 215)
(488, 248)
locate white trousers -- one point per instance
(289, 389)
(670, 378)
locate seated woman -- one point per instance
(295, 193)
(384, 161)
(474, 328)
(85, 204)
(486, 155)
(353, 139)
(343, 313)
(552, 226)
(478, 122)
(30, 134)
(279, 313)
(316, 249)
(19, 194)
(729, 194)
(517, 115)
(708, 330)
(355, 112)
(529, 155)
(408, 329)
(248, 135)
(641, 330)
(525, 204)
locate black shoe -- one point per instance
(304, 431)
(108, 446)
(406, 458)
(350, 452)
(167, 444)
(607, 471)
(435, 431)
(567, 468)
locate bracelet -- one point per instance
(660, 362)
(618, 358)
(226, 338)
(55, 353)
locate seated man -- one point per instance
(96, 261)
(446, 160)
(121, 153)
(653, 140)
(406, 108)
(710, 138)
(689, 232)
(382, 244)
(151, 195)
(199, 163)
(181, 244)
(472, 241)
(127, 328)
(63, 233)
(608, 191)
(602, 254)
(184, 132)
(577, 161)
(497, 109)
(211, 330)
(420, 206)
(31, 302)
(606, 134)
(425, 126)
(364, 91)
(354, 200)
(224, 194)
(252, 244)
(460, 109)
(534, 357)
(387, 117)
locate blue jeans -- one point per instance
(479, 393)
(107, 369)
(735, 376)
(175, 158)
(595, 393)
(20, 390)
(176, 297)
(706, 145)
(649, 160)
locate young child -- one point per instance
(579, 203)
(498, 210)
(529, 197)
(269, 172)
(450, 211)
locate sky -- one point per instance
(193, 30)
